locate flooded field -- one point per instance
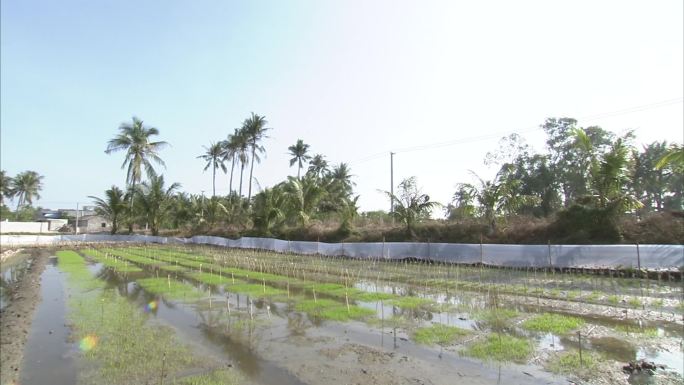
(145, 314)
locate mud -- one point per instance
(16, 318)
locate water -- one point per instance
(48, 356)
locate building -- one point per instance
(94, 224)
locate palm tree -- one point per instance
(674, 158)
(214, 156)
(242, 153)
(134, 138)
(155, 200)
(113, 207)
(268, 209)
(230, 150)
(255, 131)
(303, 197)
(411, 206)
(26, 186)
(318, 166)
(299, 156)
(5, 187)
(341, 178)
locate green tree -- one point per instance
(268, 209)
(113, 207)
(155, 200)
(5, 187)
(135, 139)
(318, 166)
(303, 196)
(26, 186)
(214, 156)
(462, 205)
(242, 153)
(299, 155)
(410, 205)
(230, 151)
(674, 158)
(255, 131)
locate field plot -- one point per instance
(203, 315)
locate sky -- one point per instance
(437, 82)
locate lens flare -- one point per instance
(88, 343)
(151, 306)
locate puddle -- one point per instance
(12, 271)
(48, 356)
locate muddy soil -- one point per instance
(16, 318)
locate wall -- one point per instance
(538, 256)
(24, 227)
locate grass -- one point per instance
(254, 290)
(497, 318)
(633, 329)
(438, 334)
(569, 363)
(113, 263)
(210, 279)
(114, 336)
(170, 288)
(634, 302)
(372, 297)
(217, 377)
(332, 310)
(553, 323)
(500, 347)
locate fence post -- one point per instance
(481, 251)
(638, 259)
(383, 247)
(550, 262)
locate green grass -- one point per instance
(173, 268)
(372, 297)
(438, 334)
(569, 363)
(501, 347)
(633, 329)
(634, 302)
(613, 299)
(553, 323)
(496, 318)
(113, 263)
(170, 288)
(113, 334)
(254, 290)
(332, 310)
(218, 377)
(210, 279)
(411, 302)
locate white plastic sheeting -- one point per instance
(578, 256)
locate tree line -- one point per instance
(586, 179)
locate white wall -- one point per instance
(24, 227)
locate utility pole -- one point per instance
(202, 213)
(76, 224)
(392, 185)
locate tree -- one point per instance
(255, 131)
(498, 197)
(134, 138)
(318, 166)
(230, 151)
(462, 204)
(341, 179)
(5, 187)
(303, 196)
(674, 158)
(155, 201)
(299, 155)
(214, 156)
(26, 186)
(268, 209)
(113, 207)
(410, 205)
(242, 153)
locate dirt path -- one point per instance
(16, 318)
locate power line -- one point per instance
(644, 107)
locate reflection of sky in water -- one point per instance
(674, 360)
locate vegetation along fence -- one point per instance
(538, 256)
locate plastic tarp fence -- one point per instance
(562, 256)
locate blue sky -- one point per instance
(354, 79)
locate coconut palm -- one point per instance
(318, 166)
(411, 206)
(268, 209)
(5, 187)
(299, 155)
(230, 151)
(155, 200)
(113, 207)
(255, 131)
(303, 197)
(242, 154)
(674, 158)
(134, 138)
(214, 156)
(26, 186)
(341, 179)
